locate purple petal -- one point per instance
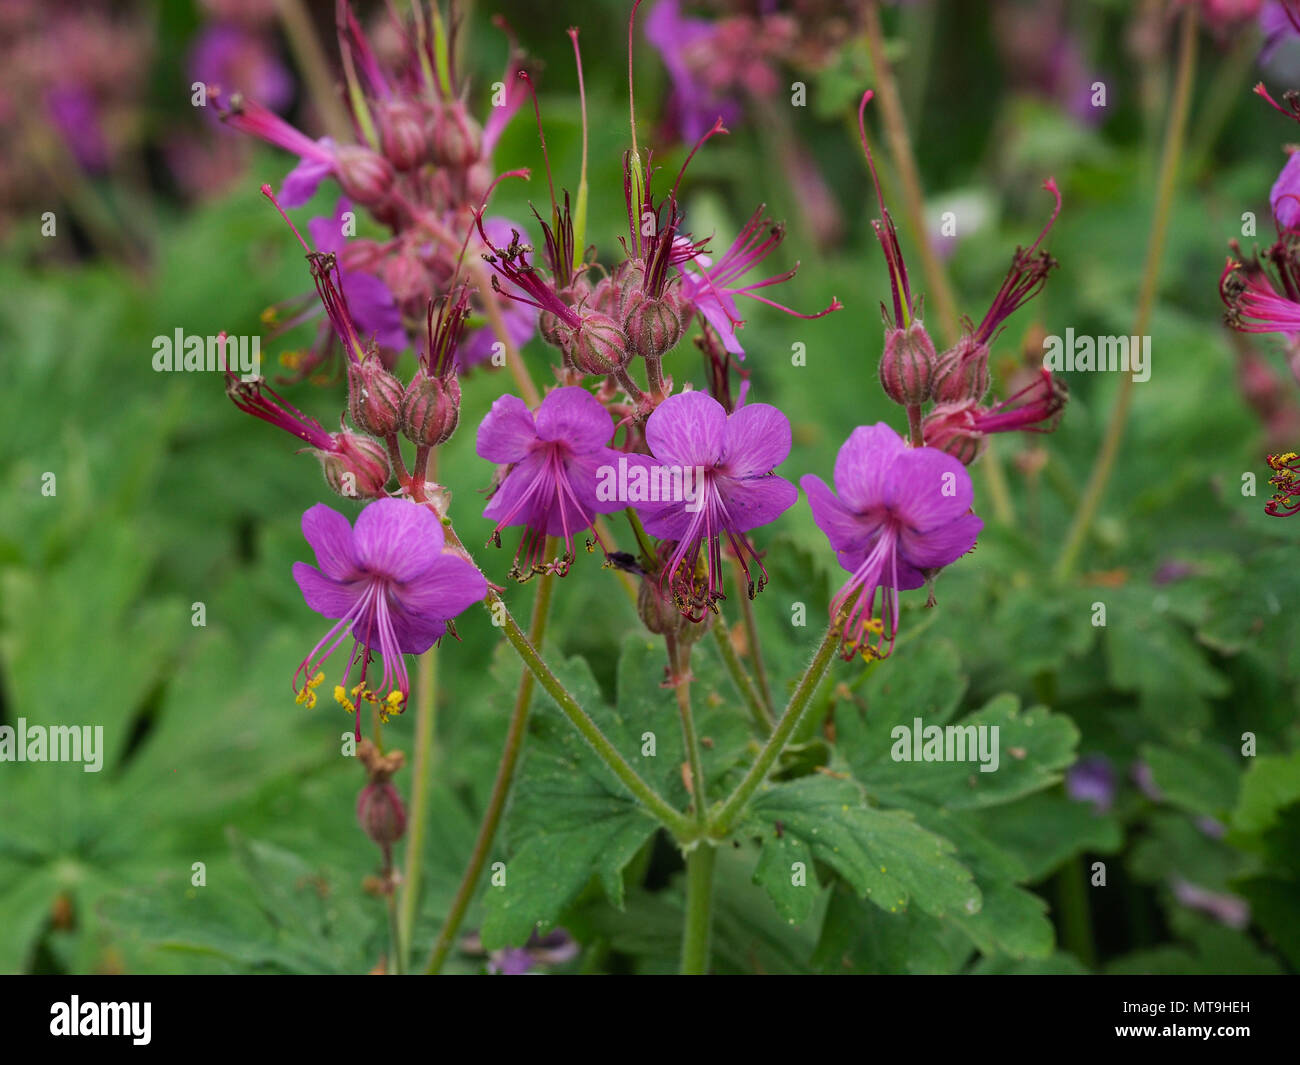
(327, 233)
(756, 442)
(847, 531)
(446, 589)
(507, 432)
(575, 417)
(374, 309)
(397, 539)
(520, 498)
(687, 430)
(301, 183)
(584, 473)
(330, 536)
(1286, 189)
(927, 489)
(864, 465)
(755, 501)
(941, 545)
(329, 598)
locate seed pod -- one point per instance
(653, 325)
(599, 346)
(365, 176)
(961, 372)
(401, 133)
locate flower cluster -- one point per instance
(420, 164)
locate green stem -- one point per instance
(726, 815)
(679, 655)
(745, 685)
(699, 909)
(500, 788)
(425, 702)
(676, 822)
(1174, 135)
(755, 649)
(1076, 917)
(395, 933)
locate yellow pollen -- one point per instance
(341, 697)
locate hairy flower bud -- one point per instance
(599, 346)
(430, 409)
(457, 138)
(961, 372)
(381, 813)
(358, 469)
(365, 176)
(401, 133)
(374, 396)
(653, 325)
(907, 366)
(950, 427)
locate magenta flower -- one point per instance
(901, 513)
(724, 465)
(554, 456)
(392, 589)
(712, 291)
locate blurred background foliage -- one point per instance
(167, 496)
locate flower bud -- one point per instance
(457, 138)
(907, 366)
(599, 346)
(401, 133)
(374, 396)
(961, 372)
(365, 176)
(359, 469)
(381, 813)
(406, 277)
(653, 325)
(950, 428)
(430, 409)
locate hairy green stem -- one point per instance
(759, 712)
(1165, 184)
(700, 861)
(679, 657)
(500, 788)
(722, 822)
(425, 702)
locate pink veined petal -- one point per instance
(329, 598)
(330, 536)
(723, 324)
(576, 417)
(849, 532)
(942, 545)
(755, 501)
(507, 432)
(864, 465)
(756, 442)
(524, 497)
(928, 488)
(687, 429)
(444, 590)
(397, 539)
(590, 471)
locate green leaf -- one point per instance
(1202, 779)
(884, 854)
